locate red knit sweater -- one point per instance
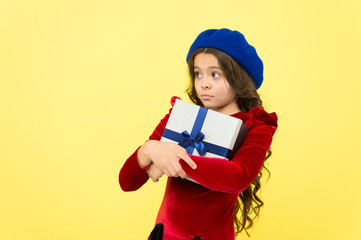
(207, 209)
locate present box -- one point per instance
(204, 132)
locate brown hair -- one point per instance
(249, 203)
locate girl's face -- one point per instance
(212, 86)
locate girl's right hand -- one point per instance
(166, 156)
(154, 172)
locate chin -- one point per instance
(208, 107)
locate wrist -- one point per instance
(144, 160)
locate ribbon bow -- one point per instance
(193, 141)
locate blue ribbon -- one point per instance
(194, 139)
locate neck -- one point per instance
(229, 109)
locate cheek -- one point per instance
(231, 93)
(197, 85)
(221, 87)
(227, 92)
(229, 89)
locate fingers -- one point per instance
(182, 174)
(175, 170)
(154, 179)
(167, 157)
(184, 156)
(154, 173)
(179, 170)
(172, 172)
(166, 172)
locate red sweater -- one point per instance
(207, 209)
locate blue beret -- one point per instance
(234, 44)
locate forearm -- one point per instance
(132, 176)
(223, 175)
(236, 175)
(133, 173)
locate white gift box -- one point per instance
(223, 134)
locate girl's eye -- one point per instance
(216, 75)
(197, 74)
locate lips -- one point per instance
(206, 97)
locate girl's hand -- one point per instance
(165, 156)
(154, 172)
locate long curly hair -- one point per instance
(248, 204)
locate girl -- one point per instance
(225, 72)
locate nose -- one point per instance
(206, 84)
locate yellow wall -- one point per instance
(83, 83)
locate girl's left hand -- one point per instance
(154, 172)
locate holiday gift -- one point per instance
(204, 132)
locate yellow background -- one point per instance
(83, 83)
